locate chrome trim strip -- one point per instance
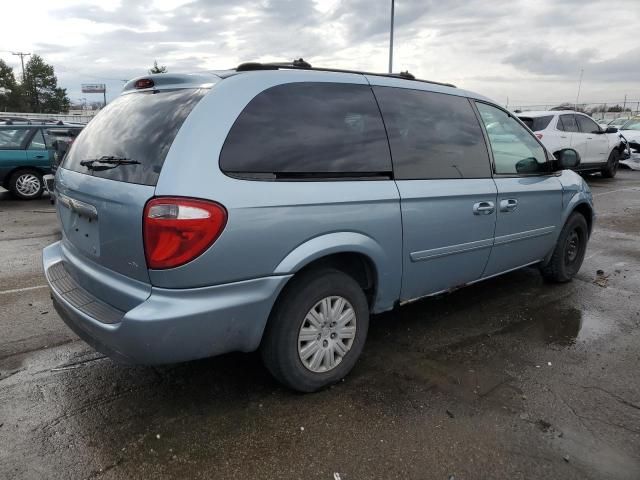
(81, 208)
(450, 250)
(514, 237)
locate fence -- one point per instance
(76, 117)
(597, 110)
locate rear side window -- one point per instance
(536, 124)
(12, 138)
(433, 135)
(586, 125)
(308, 130)
(567, 123)
(138, 126)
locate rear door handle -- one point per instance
(39, 156)
(483, 208)
(508, 205)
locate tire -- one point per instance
(26, 184)
(284, 343)
(612, 165)
(569, 251)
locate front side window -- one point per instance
(586, 125)
(432, 135)
(308, 130)
(37, 142)
(515, 149)
(12, 138)
(567, 123)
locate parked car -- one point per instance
(600, 149)
(274, 207)
(27, 152)
(630, 130)
(618, 122)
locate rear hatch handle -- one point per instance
(81, 208)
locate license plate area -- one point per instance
(80, 224)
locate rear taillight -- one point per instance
(176, 230)
(539, 135)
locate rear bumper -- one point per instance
(170, 325)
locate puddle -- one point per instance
(566, 326)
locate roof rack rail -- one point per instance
(301, 64)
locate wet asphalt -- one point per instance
(510, 378)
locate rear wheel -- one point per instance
(612, 165)
(26, 184)
(316, 331)
(569, 251)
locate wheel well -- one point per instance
(587, 213)
(17, 169)
(356, 265)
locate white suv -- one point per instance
(600, 150)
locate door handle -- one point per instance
(508, 205)
(483, 208)
(563, 136)
(39, 156)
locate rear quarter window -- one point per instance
(308, 130)
(537, 124)
(138, 126)
(13, 138)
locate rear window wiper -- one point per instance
(108, 161)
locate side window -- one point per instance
(37, 142)
(587, 125)
(432, 135)
(515, 150)
(11, 139)
(308, 130)
(567, 123)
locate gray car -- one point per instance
(275, 207)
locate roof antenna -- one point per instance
(300, 63)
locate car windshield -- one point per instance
(633, 124)
(618, 121)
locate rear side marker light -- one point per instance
(177, 230)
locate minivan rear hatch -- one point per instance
(110, 173)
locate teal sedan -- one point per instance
(27, 152)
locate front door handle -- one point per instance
(508, 205)
(39, 156)
(483, 208)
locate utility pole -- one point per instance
(624, 105)
(391, 38)
(579, 85)
(21, 55)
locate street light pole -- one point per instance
(391, 38)
(579, 86)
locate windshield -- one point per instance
(633, 124)
(139, 127)
(618, 121)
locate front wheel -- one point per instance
(610, 170)
(569, 251)
(26, 184)
(316, 331)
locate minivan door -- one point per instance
(448, 198)
(529, 206)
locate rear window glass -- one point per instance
(537, 123)
(138, 126)
(433, 135)
(308, 130)
(12, 138)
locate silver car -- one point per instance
(275, 207)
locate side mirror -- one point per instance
(611, 130)
(567, 158)
(528, 165)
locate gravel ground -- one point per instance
(510, 378)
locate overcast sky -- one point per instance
(530, 51)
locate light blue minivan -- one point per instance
(276, 206)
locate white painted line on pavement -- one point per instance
(25, 289)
